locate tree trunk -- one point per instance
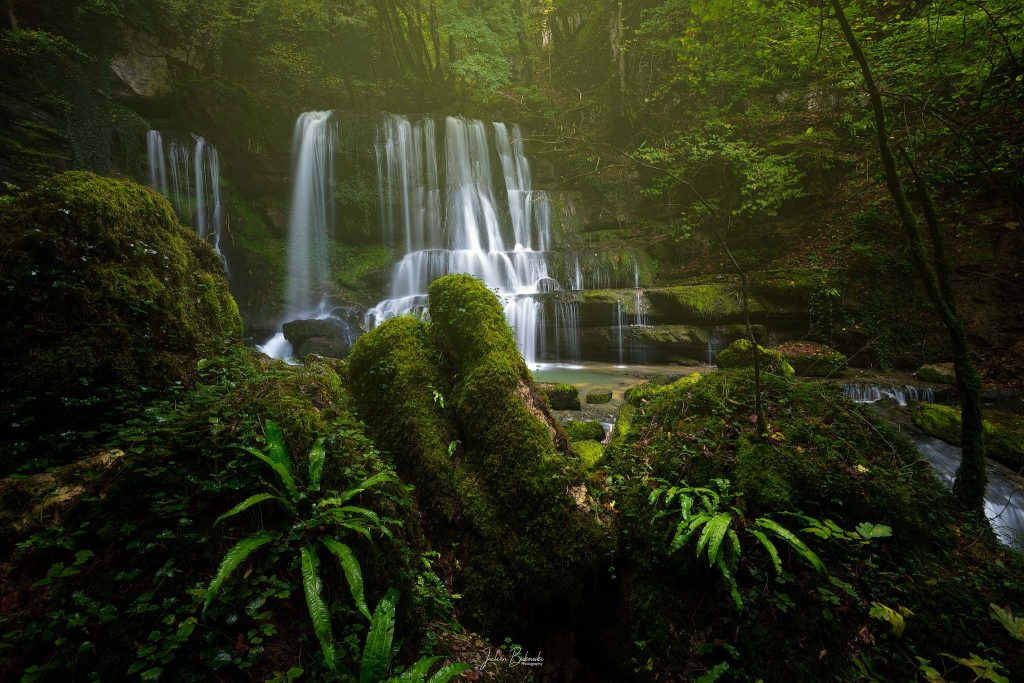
(617, 95)
(11, 18)
(524, 45)
(971, 476)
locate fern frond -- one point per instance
(283, 473)
(234, 557)
(315, 603)
(277, 447)
(417, 673)
(352, 571)
(317, 456)
(734, 590)
(686, 529)
(447, 673)
(786, 535)
(349, 494)
(715, 533)
(245, 505)
(377, 651)
(773, 552)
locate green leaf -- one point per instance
(245, 505)
(353, 574)
(686, 529)
(773, 552)
(349, 494)
(283, 473)
(234, 557)
(718, 526)
(377, 651)
(447, 673)
(277, 447)
(418, 671)
(870, 531)
(984, 669)
(317, 456)
(315, 603)
(895, 618)
(714, 673)
(1013, 625)
(792, 540)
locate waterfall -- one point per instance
(311, 217)
(872, 393)
(464, 229)
(714, 346)
(620, 322)
(310, 220)
(157, 161)
(567, 330)
(194, 183)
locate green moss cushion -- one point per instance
(1004, 432)
(561, 396)
(813, 360)
(739, 354)
(103, 292)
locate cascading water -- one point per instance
(310, 220)
(714, 346)
(567, 330)
(189, 175)
(872, 393)
(462, 230)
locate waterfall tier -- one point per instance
(498, 234)
(188, 173)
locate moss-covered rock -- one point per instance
(940, 373)
(560, 396)
(584, 430)
(642, 393)
(103, 293)
(1004, 432)
(455, 404)
(599, 396)
(399, 390)
(822, 458)
(533, 482)
(813, 360)
(739, 354)
(590, 451)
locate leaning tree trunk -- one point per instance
(617, 95)
(971, 477)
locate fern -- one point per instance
(353, 574)
(718, 538)
(234, 557)
(306, 531)
(315, 603)
(377, 651)
(317, 457)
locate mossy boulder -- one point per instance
(561, 396)
(1004, 432)
(105, 294)
(740, 354)
(456, 405)
(940, 373)
(599, 396)
(642, 393)
(584, 430)
(821, 458)
(813, 360)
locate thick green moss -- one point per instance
(398, 388)
(599, 396)
(642, 393)
(590, 451)
(739, 355)
(584, 430)
(813, 360)
(823, 458)
(1004, 432)
(560, 396)
(514, 448)
(103, 292)
(940, 373)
